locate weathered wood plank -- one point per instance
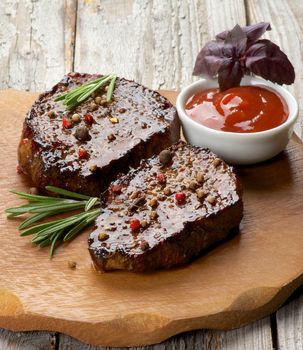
(36, 42)
(154, 42)
(27, 340)
(290, 325)
(286, 18)
(252, 337)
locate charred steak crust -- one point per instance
(85, 155)
(167, 211)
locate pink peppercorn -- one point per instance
(134, 224)
(180, 197)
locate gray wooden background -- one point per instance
(154, 42)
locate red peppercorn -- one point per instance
(82, 153)
(134, 224)
(66, 123)
(24, 141)
(180, 197)
(116, 188)
(161, 178)
(88, 119)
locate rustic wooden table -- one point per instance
(154, 42)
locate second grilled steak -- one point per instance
(84, 155)
(167, 211)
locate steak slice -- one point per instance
(85, 155)
(167, 211)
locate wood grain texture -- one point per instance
(253, 337)
(154, 42)
(27, 340)
(290, 325)
(36, 42)
(286, 18)
(233, 284)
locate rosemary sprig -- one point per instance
(53, 232)
(73, 98)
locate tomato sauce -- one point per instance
(239, 109)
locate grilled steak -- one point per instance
(85, 149)
(167, 211)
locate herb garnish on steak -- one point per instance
(83, 149)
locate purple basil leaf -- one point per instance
(235, 42)
(230, 74)
(253, 32)
(210, 59)
(265, 59)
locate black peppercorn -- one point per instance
(165, 157)
(82, 134)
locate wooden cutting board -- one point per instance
(241, 280)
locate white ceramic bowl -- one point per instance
(238, 148)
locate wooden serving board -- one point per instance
(241, 280)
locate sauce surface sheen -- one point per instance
(243, 109)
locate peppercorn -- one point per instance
(93, 107)
(153, 202)
(111, 137)
(121, 110)
(193, 185)
(165, 157)
(200, 177)
(93, 168)
(180, 197)
(211, 200)
(144, 223)
(134, 224)
(82, 153)
(153, 215)
(161, 178)
(144, 245)
(82, 134)
(114, 120)
(200, 193)
(143, 125)
(167, 191)
(88, 119)
(216, 162)
(66, 123)
(51, 113)
(103, 236)
(98, 100)
(116, 188)
(76, 118)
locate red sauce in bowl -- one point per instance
(239, 109)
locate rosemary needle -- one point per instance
(76, 96)
(52, 232)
